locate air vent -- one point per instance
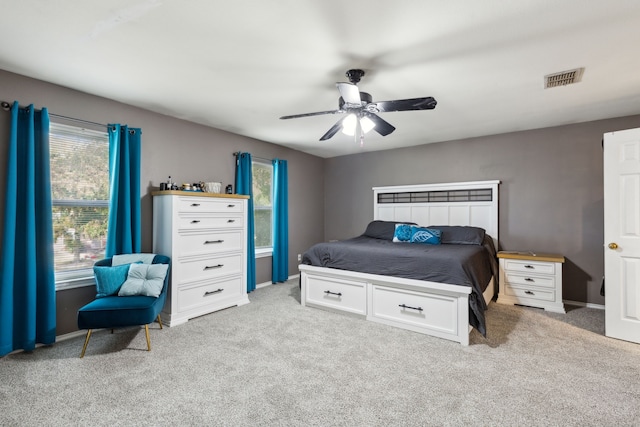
(563, 78)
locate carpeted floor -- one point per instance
(274, 362)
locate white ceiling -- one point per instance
(239, 65)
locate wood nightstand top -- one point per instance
(531, 256)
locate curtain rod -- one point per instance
(6, 106)
(253, 157)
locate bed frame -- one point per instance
(431, 308)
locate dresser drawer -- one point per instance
(207, 204)
(415, 309)
(208, 268)
(198, 222)
(197, 242)
(339, 294)
(525, 294)
(529, 280)
(529, 266)
(191, 297)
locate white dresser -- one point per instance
(205, 236)
(531, 279)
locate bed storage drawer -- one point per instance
(339, 294)
(417, 310)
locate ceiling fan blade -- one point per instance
(334, 129)
(295, 116)
(383, 127)
(350, 93)
(427, 103)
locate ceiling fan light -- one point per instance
(349, 125)
(367, 124)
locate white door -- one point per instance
(622, 234)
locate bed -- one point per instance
(440, 290)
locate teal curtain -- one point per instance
(123, 232)
(280, 260)
(27, 289)
(244, 185)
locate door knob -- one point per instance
(613, 245)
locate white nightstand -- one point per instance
(532, 279)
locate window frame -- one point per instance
(266, 251)
(81, 277)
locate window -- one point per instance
(79, 160)
(262, 175)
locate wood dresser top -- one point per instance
(197, 194)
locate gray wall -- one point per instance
(188, 152)
(551, 195)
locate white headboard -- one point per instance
(457, 203)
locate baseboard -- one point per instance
(584, 304)
(58, 339)
(70, 335)
(262, 285)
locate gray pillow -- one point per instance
(383, 229)
(460, 234)
(144, 279)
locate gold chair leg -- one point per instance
(160, 321)
(86, 341)
(146, 329)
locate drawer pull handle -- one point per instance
(195, 221)
(231, 220)
(210, 267)
(231, 206)
(412, 308)
(208, 242)
(529, 266)
(195, 204)
(529, 279)
(333, 293)
(209, 293)
(529, 293)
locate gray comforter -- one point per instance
(456, 264)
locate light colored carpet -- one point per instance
(274, 362)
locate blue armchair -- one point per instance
(115, 311)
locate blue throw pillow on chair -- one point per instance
(110, 279)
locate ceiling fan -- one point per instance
(362, 111)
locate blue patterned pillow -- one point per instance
(430, 236)
(110, 279)
(402, 233)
